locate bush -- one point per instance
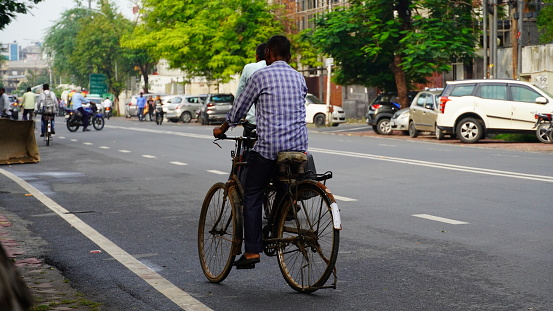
(519, 138)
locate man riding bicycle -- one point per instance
(278, 92)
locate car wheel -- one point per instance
(186, 117)
(319, 120)
(383, 127)
(375, 129)
(413, 132)
(541, 133)
(439, 134)
(405, 133)
(470, 130)
(174, 120)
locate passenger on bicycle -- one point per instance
(249, 69)
(47, 104)
(278, 91)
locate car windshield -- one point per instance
(546, 92)
(222, 98)
(314, 99)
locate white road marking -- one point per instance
(73, 139)
(124, 151)
(441, 219)
(162, 285)
(467, 169)
(61, 137)
(104, 147)
(149, 156)
(345, 199)
(178, 163)
(88, 144)
(218, 172)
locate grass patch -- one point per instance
(518, 138)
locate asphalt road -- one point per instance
(426, 226)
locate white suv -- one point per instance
(316, 111)
(470, 109)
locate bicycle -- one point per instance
(48, 134)
(302, 229)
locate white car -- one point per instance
(472, 108)
(316, 112)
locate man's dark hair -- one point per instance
(28, 89)
(260, 51)
(45, 87)
(280, 44)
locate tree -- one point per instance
(212, 39)
(393, 43)
(88, 41)
(544, 20)
(10, 8)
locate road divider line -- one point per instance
(468, 169)
(178, 163)
(148, 156)
(88, 144)
(218, 172)
(441, 219)
(124, 151)
(104, 147)
(159, 283)
(73, 139)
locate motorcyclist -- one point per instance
(78, 100)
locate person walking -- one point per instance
(278, 91)
(4, 103)
(28, 102)
(140, 104)
(151, 108)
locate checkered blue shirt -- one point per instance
(278, 92)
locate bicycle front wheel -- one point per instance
(309, 242)
(218, 232)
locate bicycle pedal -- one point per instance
(249, 266)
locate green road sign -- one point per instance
(98, 84)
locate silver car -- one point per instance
(131, 110)
(182, 107)
(400, 121)
(423, 113)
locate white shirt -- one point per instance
(248, 70)
(107, 103)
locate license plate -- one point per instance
(67, 116)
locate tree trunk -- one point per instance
(144, 72)
(401, 81)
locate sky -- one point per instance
(31, 27)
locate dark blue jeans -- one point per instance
(259, 174)
(43, 128)
(86, 117)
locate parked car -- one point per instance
(215, 108)
(423, 113)
(130, 107)
(472, 108)
(400, 121)
(316, 112)
(382, 109)
(182, 107)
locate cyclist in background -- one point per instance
(278, 91)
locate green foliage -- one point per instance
(9, 8)
(364, 39)
(213, 39)
(545, 22)
(87, 41)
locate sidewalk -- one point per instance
(51, 291)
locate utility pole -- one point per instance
(485, 36)
(329, 63)
(515, 33)
(493, 41)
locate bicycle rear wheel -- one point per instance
(218, 232)
(309, 242)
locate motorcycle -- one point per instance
(74, 118)
(107, 112)
(159, 114)
(544, 127)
